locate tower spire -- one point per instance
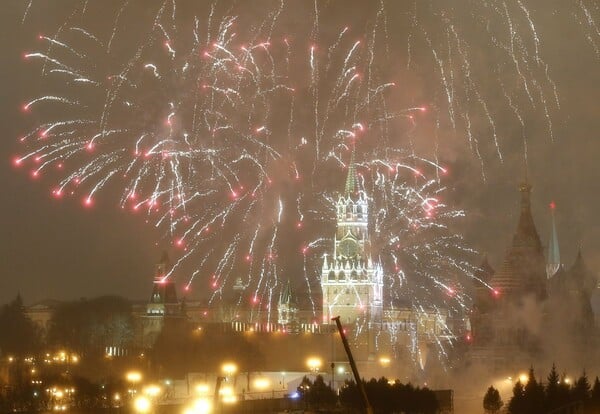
(351, 179)
(553, 261)
(525, 189)
(162, 267)
(526, 234)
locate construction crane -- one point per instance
(359, 383)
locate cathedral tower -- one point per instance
(524, 269)
(352, 283)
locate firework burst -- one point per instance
(233, 145)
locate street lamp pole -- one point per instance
(332, 383)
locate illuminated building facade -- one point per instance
(164, 306)
(351, 282)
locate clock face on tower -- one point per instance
(348, 247)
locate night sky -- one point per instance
(57, 249)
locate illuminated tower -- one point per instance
(352, 283)
(287, 310)
(163, 307)
(553, 260)
(164, 296)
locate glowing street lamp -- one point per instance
(314, 364)
(142, 404)
(229, 368)
(385, 361)
(227, 395)
(152, 391)
(133, 376)
(262, 384)
(200, 406)
(202, 389)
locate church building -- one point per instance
(532, 306)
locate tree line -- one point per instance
(556, 395)
(83, 326)
(385, 396)
(86, 328)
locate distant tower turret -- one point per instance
(164, 296)
(287, 310)
(553, 260)
(239, 286)
(163, 307)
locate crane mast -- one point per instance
(359, 383)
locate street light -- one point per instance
(385, 361)
(314, 364)
(202, 389)
(262, 384)
(227, 395)
(142, 404)
(152, 391)
(200, 406)
(133, 377)
(116, 399)
(229, 368)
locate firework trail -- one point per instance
(491, 70)
(456, 48)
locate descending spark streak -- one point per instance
(458, 40)
(593, 36)
(26, 13)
